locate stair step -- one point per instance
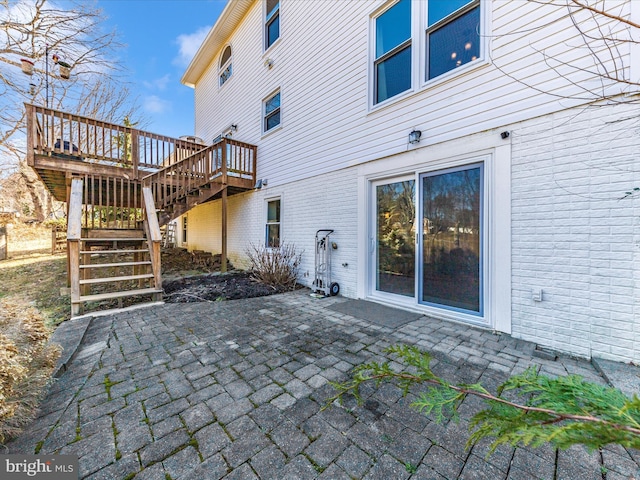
(115, 279)
(121, 264)
(127, 239)
(114, 251)
(108, 296)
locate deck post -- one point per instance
(135, 152)
(74, 234)
(31, 135)
(223, 255)
(68, 184)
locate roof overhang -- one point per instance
(229, 19)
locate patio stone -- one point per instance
(236, 390)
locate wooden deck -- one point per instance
(117, 178)
(118, 160)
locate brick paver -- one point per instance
(235, 390)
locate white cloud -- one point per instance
(158, 83)
(155, 104)
(189, 44)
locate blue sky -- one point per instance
(161, 36)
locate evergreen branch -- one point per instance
(563, 411)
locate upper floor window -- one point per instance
(226, 66)
(271, 114)
(392, 65)
(453, 35)
(448, 31)
(272, 23)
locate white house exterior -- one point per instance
(507, 214)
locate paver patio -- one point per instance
(234, 390)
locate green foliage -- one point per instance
(410, 468)
(561, 411)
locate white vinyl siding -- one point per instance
(330, 128)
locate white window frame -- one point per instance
(224, 66)
(265, 115)
(419, 81)
(267, 223)
(185, 229)
(410, 43)
(268, 19)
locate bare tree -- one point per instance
(73, 37)
(595, 62)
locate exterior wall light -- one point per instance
(414, 136)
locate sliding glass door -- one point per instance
(451, 241)
(394, 240)
(427, 241)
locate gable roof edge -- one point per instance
(233, 13)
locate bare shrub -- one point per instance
(26, 364)
(275, 267)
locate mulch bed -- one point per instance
(215, 287)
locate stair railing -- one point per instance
(217, 162)
(154, 236)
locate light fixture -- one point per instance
(261, 182)
(504, 135)
(414, 136)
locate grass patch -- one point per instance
(36, 280)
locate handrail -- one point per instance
(154, 237)
(95, 141)
(227, 158)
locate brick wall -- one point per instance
(572, 235)
(326, 201)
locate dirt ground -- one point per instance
(215, 287)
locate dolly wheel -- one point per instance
(334, 289)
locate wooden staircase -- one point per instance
(115, 264)
(121, 184)
(118, 263)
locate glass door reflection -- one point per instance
(395, 238)
(451, 239)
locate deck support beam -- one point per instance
(223, 256)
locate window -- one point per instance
(272, 23)
(448, 31)
(273, 224)
(184, 229)
(226, 67)
(392, 66)
(453, 35)
(271, 112)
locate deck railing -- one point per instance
(111, 202)
(225, 159)
(54, 132)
